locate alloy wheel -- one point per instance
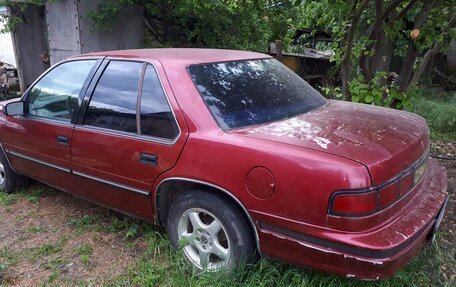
(2, 173)
(206, 243)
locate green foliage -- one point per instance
(11, 21)
(335, 16)
(133, 230)
(377, 93)
(129, 226)
(235, 24)
(105, 17)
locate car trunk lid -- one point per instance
(387, 141)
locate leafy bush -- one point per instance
(377, 93)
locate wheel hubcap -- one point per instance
(206, 244)
(2, 173)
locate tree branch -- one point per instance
(402, 13)
(391, 8)
(376, 61)
(429, 54)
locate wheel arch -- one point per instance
(169, 188)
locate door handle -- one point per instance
(63, 140)
(149, 159)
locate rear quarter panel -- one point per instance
(304, 179)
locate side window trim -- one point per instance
(138, 99)
(85, 88)
(89, 77)
(89, 93)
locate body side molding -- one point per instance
(38, 161)
(114, 184)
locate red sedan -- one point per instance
(235, 154)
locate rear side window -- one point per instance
(157, 120)
(252, 92)
(113, 103)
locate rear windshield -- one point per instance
(250, 92)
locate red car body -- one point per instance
(284, 175)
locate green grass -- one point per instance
(439, 109)
(7, 258)
(162, 266)
(34, 195)
(46, 249)
(37, 229)
(84, 220)
(7, 199)
(84, 251)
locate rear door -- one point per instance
(38, 143)
(127, 136)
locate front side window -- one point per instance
(56, 94)
(250, 92)
(113, 103)
(157, 120)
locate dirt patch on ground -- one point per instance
(60, 239)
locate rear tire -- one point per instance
(10, 181)
(212, 233)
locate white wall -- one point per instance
(6, 47)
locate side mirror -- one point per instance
(14, 109)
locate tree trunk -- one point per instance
(366, 63)
(387, 54)
(376, 62)
(346, 61)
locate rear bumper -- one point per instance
(371, 255)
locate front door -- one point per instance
(129, 136)
(38, 143)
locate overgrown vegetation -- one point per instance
(367, 35)
(162, 266)
(230, 24)
(11, 21)
(439, 109)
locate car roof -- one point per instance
(182, 56)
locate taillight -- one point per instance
(354, 203)
(388, 195)
(406, 184)
(373, 199)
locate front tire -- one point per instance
(212, 233)
(10, 181)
